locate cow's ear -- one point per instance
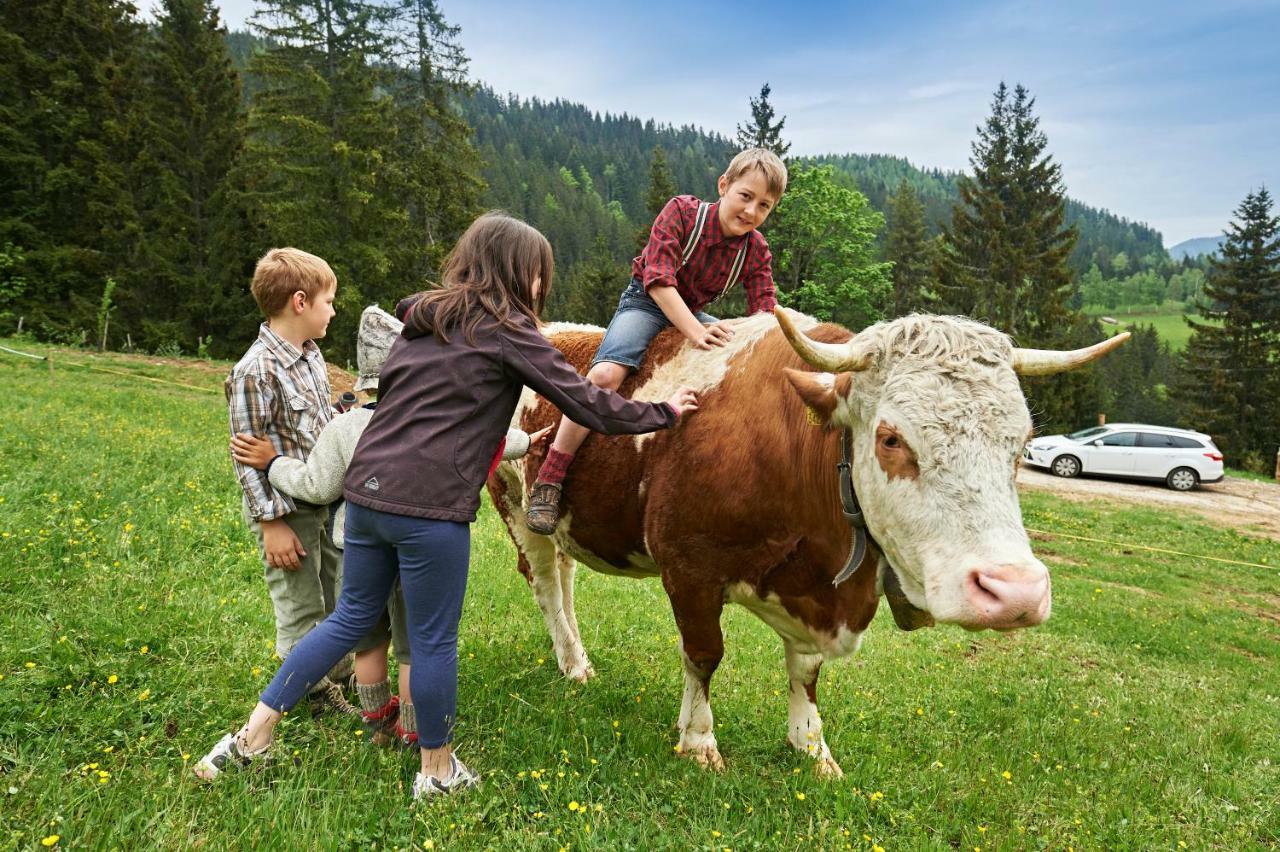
(821, 392)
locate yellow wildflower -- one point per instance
(144, 695)
(113, 678)
(573, 806)
(51, 840)
(800, 796)
(145, 649)
(1006, 775)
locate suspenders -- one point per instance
(699, 223)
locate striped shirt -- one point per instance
(702, 280)
(280, 393)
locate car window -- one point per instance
(1120, 439)
(1084, 434)
(1186, 443)
(1152, 439)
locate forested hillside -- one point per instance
(527, 142)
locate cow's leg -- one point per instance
(697, 613)
(550, 573)
(557, 611)
(566, 568)
(804, 726)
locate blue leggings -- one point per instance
(431, 558)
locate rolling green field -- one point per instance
(1171, 327)
(136, 629)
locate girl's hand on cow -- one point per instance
(252, 451)
(540, 437)
(684, 400)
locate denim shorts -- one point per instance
(635, 324)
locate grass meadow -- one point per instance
(1171, 327)
(136, 629)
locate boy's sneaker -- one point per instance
(427, 786)
(226, 754)
(543, 513)
(329, 697)
(380, 725)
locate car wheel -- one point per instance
(1182, 479)
(1067, 466)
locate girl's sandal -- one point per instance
(227, 753)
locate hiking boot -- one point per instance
(328, 697)
(543, 513)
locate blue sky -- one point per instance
(1167, 113)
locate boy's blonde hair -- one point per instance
(769, 164)
(284, 271)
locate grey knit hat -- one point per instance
(378, 330)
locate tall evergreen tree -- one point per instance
(191, 281)
(1229, 386)
(68, 84)
(322, 142)
(662, 188)
(909, 249)
(761, 131)
(1003, 257)
(437, 165)
(590, 290)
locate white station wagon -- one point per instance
(1180, 457)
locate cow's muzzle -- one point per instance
(1006, 597)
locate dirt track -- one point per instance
(1249, 506)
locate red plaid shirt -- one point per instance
(702, 279)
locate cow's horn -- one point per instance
(830, 357)
(1046, 362)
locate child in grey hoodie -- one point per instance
(319, 480)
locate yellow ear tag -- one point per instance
(811, 414)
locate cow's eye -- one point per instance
(891, 441)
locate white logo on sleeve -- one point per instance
(371, 484)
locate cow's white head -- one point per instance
(938, 420)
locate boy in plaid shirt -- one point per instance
(696, 252)
(280, 390)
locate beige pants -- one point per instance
(303, 598)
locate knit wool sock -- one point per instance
(373, 696)
(408, 719)
(556, 467)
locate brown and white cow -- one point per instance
(739, 502)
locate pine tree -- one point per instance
(68, 84)
(1004, 254)
(437, 167)
(661, 190)
(1228, 386)
(910, 250)
(591, 288)
(321, 147)
(190, 282)
(761, 131)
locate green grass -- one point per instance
(1171, 328)
(1248, 474)
(136, 629)
(1168, 322)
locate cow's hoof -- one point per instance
(708, 757)
(581, 673)
(827, 769)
